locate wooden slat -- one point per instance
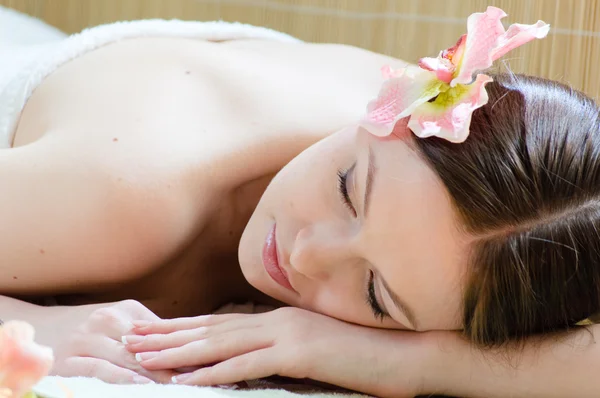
(407, 29)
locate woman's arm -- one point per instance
(288, 342)
(560, 365)
(72, 218)
(385, 363)
(12, 309)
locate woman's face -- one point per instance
(361, 229)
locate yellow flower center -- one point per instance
(450, 95)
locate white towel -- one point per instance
(81, 387)
(28, 58)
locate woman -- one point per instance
(138, 169)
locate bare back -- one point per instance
(143, 142)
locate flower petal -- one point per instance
(517, 35)
(398, 97)
(449, 116)
(388, 72)
(483, 31)
(445, 63)
(22, 362)
(443, 68)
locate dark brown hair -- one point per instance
(526, 183)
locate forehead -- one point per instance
(414, 236)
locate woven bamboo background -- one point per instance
(407, 29)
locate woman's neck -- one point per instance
(224, 230)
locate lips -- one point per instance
(271, 261)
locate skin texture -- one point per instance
(152, 192)
(327, 250)
(168, 181)
(408, 235)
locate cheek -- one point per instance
(348, 303)
(337, 298)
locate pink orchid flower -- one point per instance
(440, 94)
(22, 362)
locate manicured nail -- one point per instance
(142, 380)
(144, 356)
(140, 324)
(181, 378)
(132, 339)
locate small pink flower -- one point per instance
(440, 94)
(22, 362)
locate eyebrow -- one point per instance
(402, 306)
(369, 184)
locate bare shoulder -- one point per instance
(73, 221)
(324, 66)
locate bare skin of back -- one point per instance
(136, 167)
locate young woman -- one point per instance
(162, 177)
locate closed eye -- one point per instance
(371, 297)
(343, 189)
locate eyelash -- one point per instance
(372, 299)
(370, 296)
(343, 190)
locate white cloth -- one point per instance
(81, 387)
(28, 56)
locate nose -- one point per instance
(320, 249)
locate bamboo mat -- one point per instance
(407, 29)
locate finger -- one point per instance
(105, 348)
(165, 326)
(101, 369)
(159, 342)
(250, 366)
(204, 352)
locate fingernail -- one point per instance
(140, 324)
(180, 378)
(142, 380)
(144, 356)
(132, 339)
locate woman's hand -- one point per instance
(87, 342)
(288, 342)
